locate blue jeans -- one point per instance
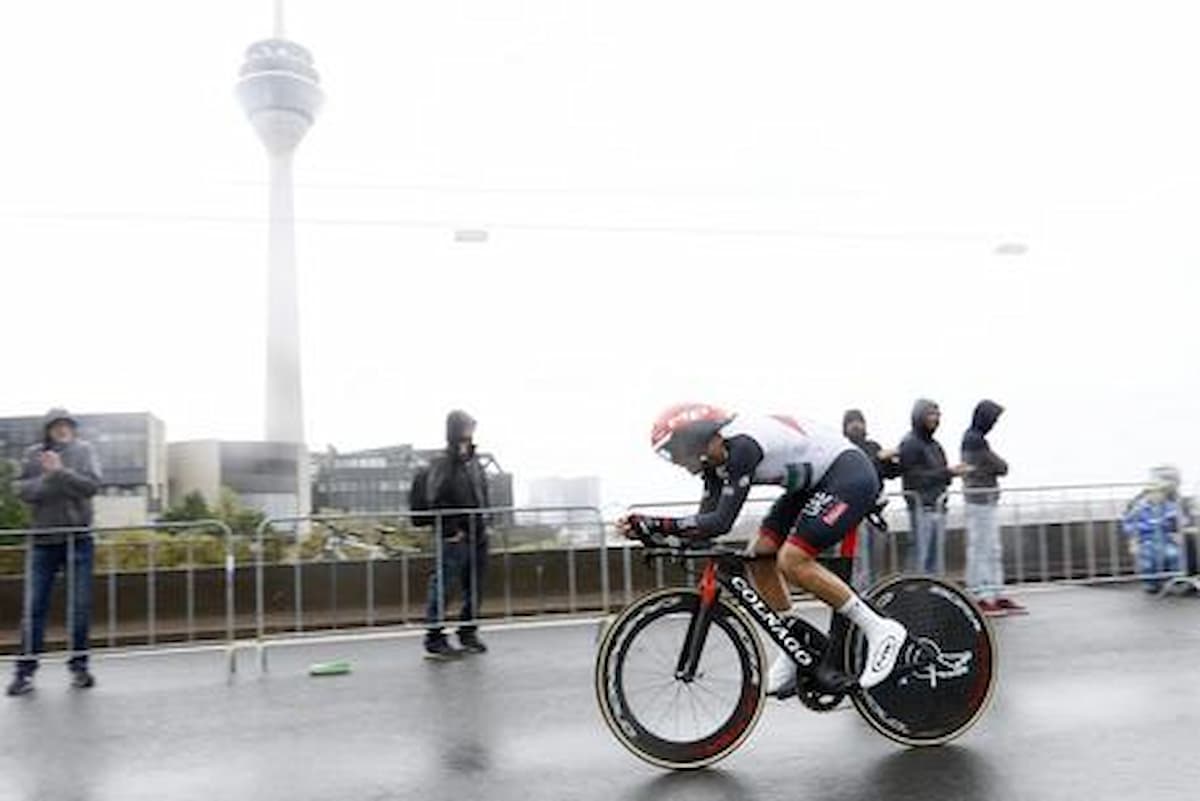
(464, 563)
(929, 556)
(44, 563)
(985, 556)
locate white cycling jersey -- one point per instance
(796, 453)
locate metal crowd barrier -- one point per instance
(109, 579)
(1061, 534)
(362, 586)
(1075, 534)
(312, 577)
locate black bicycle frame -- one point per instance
(798, 638)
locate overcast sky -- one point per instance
(788, 206)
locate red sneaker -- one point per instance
(1011, 607)
(992, 609)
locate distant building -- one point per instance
(578, 491)
(579, 494)
(379, 479)
(373, 480)
(262, 474)
(132, 448)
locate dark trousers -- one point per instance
(75, 559)
(463, 564)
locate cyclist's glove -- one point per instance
(654, 531)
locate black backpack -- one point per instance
(418, 499)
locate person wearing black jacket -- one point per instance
(887, 465)
(926, 479)
(985, 556)
(455, 481)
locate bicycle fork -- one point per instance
(697, 634)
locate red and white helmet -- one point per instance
(681, 433)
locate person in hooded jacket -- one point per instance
(58, 478)
(985, 555)
(927, 476)
(887, 465)
(456, 480)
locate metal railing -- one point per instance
(118, 566)
(375, 579)
(1076, 534)
(311, 575)
(1063, 534)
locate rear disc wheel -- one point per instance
(945, 676)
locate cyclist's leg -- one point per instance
(781, 678)
(771, 536)
(830, 516)
(801, 567)
(838, 504)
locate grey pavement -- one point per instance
(1099, 698)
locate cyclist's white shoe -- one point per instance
(884, 641)
(781, 680)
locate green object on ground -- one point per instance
(329, 668)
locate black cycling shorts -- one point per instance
(829, 512)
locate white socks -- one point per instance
(885, 637)
(861, 615)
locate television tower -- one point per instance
(280, 93)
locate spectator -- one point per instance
(926, 478)
(456, 480)
(1154, 522)
(985, 554)
(887, 465)
(58, 478)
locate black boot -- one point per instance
(439, 649)
(81, 679)
(470, 642)
(22, 684)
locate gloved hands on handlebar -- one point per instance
(651, 531)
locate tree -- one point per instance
(240, 518)
(229, 509)
(13, 511)
(192, 507)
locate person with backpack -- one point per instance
(454, 480)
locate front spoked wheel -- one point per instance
(945, 676)
(668, 721)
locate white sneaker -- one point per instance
(883, 649)
(782, 677)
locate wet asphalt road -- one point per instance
(1099, 699)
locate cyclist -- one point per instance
(829, 487)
